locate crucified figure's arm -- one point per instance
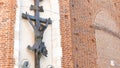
(30, 21)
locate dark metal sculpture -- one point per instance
(40, 26)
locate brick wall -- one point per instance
(83, 37)
(65, 22)
(77, 16)
(78, 38)
(7, 20)
(108, 44)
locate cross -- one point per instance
(39, 46)
(36, 18)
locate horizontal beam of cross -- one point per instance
(33, 18)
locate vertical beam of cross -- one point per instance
(37, 24)
(37, 58)
(37, 13)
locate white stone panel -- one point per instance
(24, 35)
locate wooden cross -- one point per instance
(39, 46)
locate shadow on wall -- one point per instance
(106, 41)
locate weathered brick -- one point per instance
(79, 50)
(7, 22)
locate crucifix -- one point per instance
(39, 26)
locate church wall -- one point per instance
(7, 21)
(84, 49)
(71, 29)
